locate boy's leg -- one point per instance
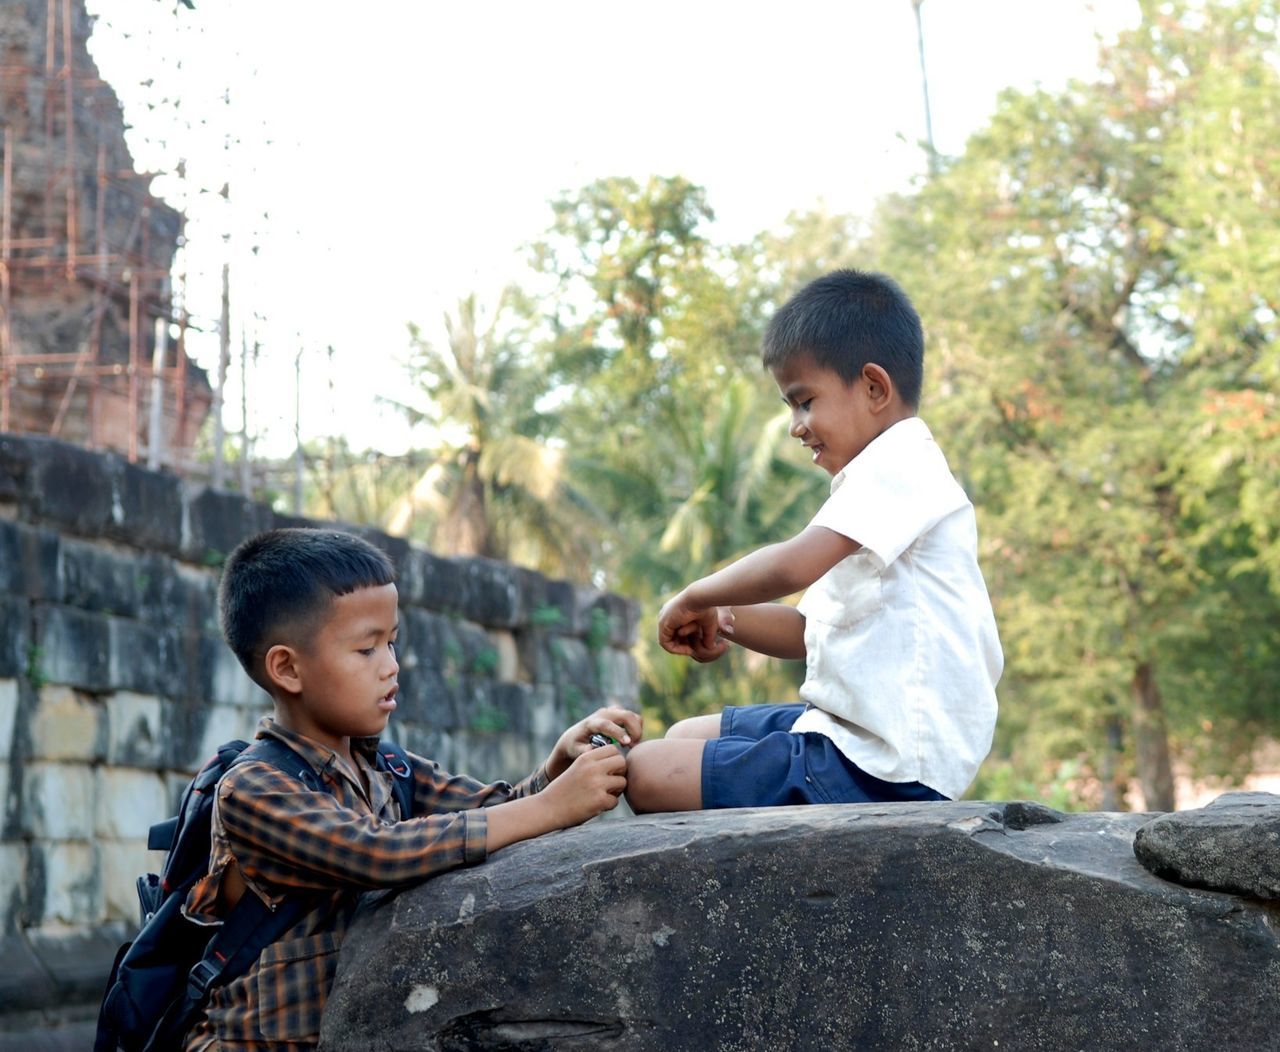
(665, 775)
(668, 774)
(702, 727)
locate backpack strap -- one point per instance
(250, 927)
(394, 759)
(284, 759)
(391, 758)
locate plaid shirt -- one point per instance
(287, 839)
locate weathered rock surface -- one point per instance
(937, 926)
(1232, 845)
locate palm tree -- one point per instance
(495, 486)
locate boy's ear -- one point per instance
(281, 668)
(879, 386)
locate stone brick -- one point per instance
(66, 725)
(507, 666)
(420, 642)
(95, 578)
(183, 724)
(537, 660)
(73, 647)
(510, 703)
(559, 610)
(427, 699)
(57, 801)
(222, 680)
(470, 651)
(71, 487)
(223, 723)
(135, 730)
(490, 592)
(430, 581)
(547, 717)
(175, 595)
(122, 862)
(13, 878)
(200, 591)
(438, 643)
(15, 636)
(619, 680)
(148, 512)
(128, 802)
(15, 467)
(29, 560)
(623, 618)
(216, 522)
(533, 593)
(8, 716)
(143, 658)
(71, 890)
(575, 664)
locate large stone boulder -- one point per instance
(905, 926)
(1231, 845)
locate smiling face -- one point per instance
(342, 682)
(836, 420)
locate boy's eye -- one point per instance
(366, 651)
(805, 404)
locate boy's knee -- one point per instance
(641, 776)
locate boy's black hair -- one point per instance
(284, 580)
(845, 319)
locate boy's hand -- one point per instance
(622, 725)
(711, 634)
(590, 786)
(696, 633)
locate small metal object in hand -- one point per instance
(599, 740)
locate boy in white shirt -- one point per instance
(896, 629)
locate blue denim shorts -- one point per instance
(758, 762)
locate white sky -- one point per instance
(388, 158)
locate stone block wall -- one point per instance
(115, 685)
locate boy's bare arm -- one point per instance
(584, 781)
(591, 785)
(773, 629)
(764, 575)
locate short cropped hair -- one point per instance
(845, 320)
(278, 587)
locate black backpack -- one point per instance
(161, 979)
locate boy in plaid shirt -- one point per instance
(312, 615)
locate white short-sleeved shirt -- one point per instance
(901, 646)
